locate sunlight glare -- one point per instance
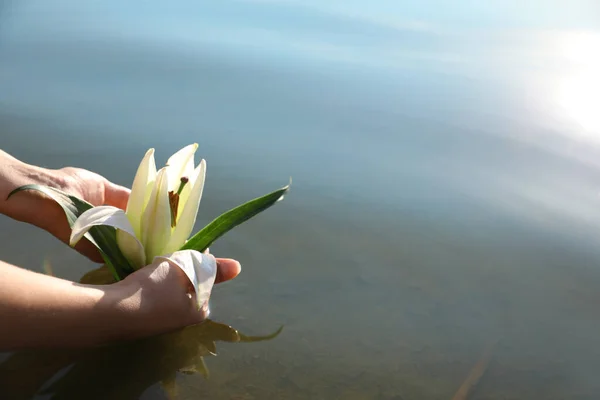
(579, 90)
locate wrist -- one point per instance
(117, 312)
(123, 305)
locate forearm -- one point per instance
(40, 310)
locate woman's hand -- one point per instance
(38, 310)
(37, 209)
(161, 298)
(94, 189)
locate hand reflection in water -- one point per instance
(120, 371)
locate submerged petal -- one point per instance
(156, 221)
(129, 245)
(201, 270)
(181, 164)
(141, 191)
(188, 211)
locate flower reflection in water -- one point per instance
(119, 371)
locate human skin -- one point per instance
(39, 310)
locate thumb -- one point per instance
(116, 195)
(201, 270)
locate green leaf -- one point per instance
(103, 237)
(232, 218)
(72, 206)
(250, 339)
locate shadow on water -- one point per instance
(119, 371)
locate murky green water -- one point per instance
(445, 199)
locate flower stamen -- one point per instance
(174, 200)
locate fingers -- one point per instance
(116, 195)
(227, 269)
(86, 248)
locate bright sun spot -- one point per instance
(579, 90)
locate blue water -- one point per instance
(445, 190)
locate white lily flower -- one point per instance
(161, 211)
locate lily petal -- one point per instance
(115, 217)
(201, 270)
(181, 164)
(187, 217)
(141, 191)
(131, 248)
(188, 172)
(156, 221)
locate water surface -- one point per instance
(445, 194)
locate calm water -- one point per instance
(445, 202)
